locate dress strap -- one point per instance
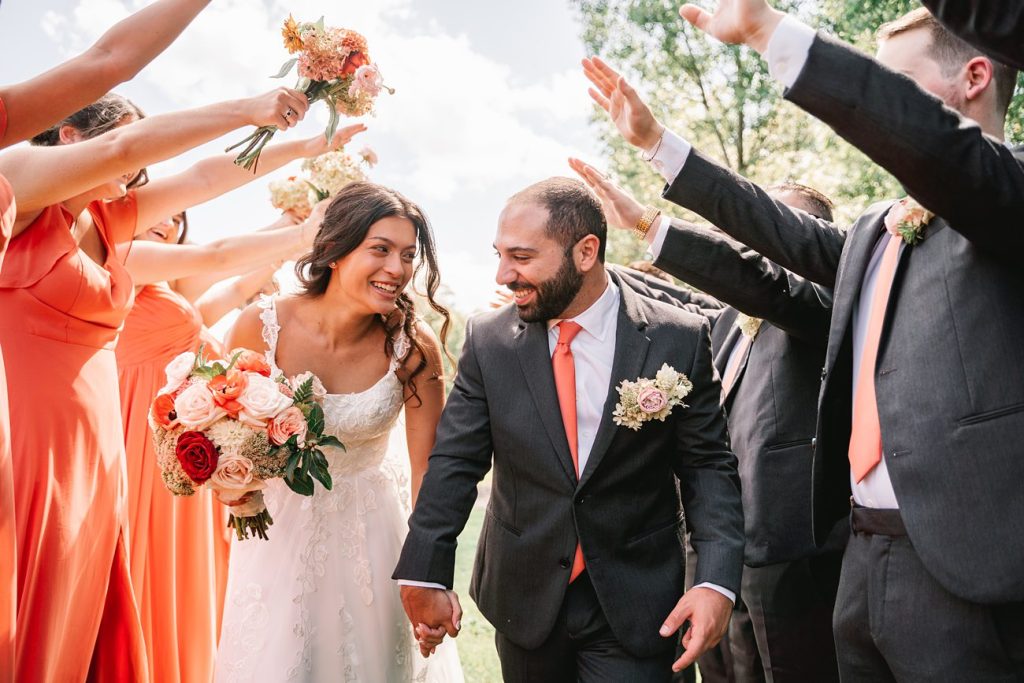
(271, 328)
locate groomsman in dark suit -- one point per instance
(771, 369)
(994, 26)
(922, 402)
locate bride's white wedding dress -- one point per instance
(316, 602)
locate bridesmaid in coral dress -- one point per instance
(179, 546)
(38, 103)
(65, 292)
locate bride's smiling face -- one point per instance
(374, 274)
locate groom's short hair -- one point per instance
(573, 211)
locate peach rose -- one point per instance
(288, 422)
(250, 361)
(196, 408)
(177, 371)
(234, 472)
(261, 400)
(651, 400)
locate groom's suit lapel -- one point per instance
(531, 344)
(631, 346)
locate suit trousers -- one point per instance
(894, 622)
(581, 647)
(790, 606)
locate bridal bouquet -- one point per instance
(325, 176)
(334, 65)
(229, 426)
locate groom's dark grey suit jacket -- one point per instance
(624, 510)
(950, 366)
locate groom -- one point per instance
(579, 565)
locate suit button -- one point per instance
(563, 563)
(580, 499)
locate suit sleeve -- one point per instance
(808, 246)
(460, 459)
(747, 281)
(708, 480)
(993, 26)
(942, 159)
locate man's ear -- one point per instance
(979, 73)
(586, 253)
(69, 134)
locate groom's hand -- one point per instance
(748, 22)
(708, 612)
(429, 610)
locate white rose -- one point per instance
(177, 371)
(196, 408)
(261, 400)
(319, 392)
(234, 473)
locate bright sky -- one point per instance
(489, 98)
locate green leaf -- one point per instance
(320, 469)
(289, 470)
(301, 484)
(218, 368)
(315, 422)
(320, 24)
(330, 440)
(285, 68)
(320, 194)
(234, 359)
(304, 391)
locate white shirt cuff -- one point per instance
(656, 236)
(718, 589)
(672, 153)
(787, 50)
(421, 584)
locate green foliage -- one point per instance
(456, 329)
(722, 99)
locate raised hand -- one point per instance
(631, 115)
(429, 610)
(708, 612)
(319, 145)
(620, 208)
(281, 107)
(748, 22)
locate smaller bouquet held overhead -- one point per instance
(334, 65)
(230, 426)
(324, 176)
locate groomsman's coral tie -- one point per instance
(565, 384)
(866, 434)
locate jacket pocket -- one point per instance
(652, 531)
(788, 444)
(987, 415)
(504, 525)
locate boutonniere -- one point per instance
(748, 325)
(650, 399)
(907, 219)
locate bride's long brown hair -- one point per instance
(346, 223)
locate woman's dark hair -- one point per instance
(181, 220)
(348, 219)
(102, 116)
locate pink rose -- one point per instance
(897, 214)
(287, 423)
(234, 473)
(196, 408)
(261, 400)
(651, 400)
(367, 80)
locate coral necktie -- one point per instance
(866, 434)
(564, 369)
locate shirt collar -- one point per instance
(600, 317)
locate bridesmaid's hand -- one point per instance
(282, 107)
(317, 145)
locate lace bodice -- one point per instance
(362, 421)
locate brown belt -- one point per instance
(876, 522)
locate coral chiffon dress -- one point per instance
(76, 614)
(179, 546)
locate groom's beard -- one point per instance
(553, 296)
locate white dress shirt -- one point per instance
(593, 353)
(786, 55)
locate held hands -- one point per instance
(281, 107)
(748, 22)
(616, 96)
(317, 145)
(708, 612)
(433, 612)
(620, 208)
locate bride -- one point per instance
(316, 602)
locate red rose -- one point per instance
(197, 455)
(354, 61)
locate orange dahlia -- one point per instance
(292, 38)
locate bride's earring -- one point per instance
(334, 264)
